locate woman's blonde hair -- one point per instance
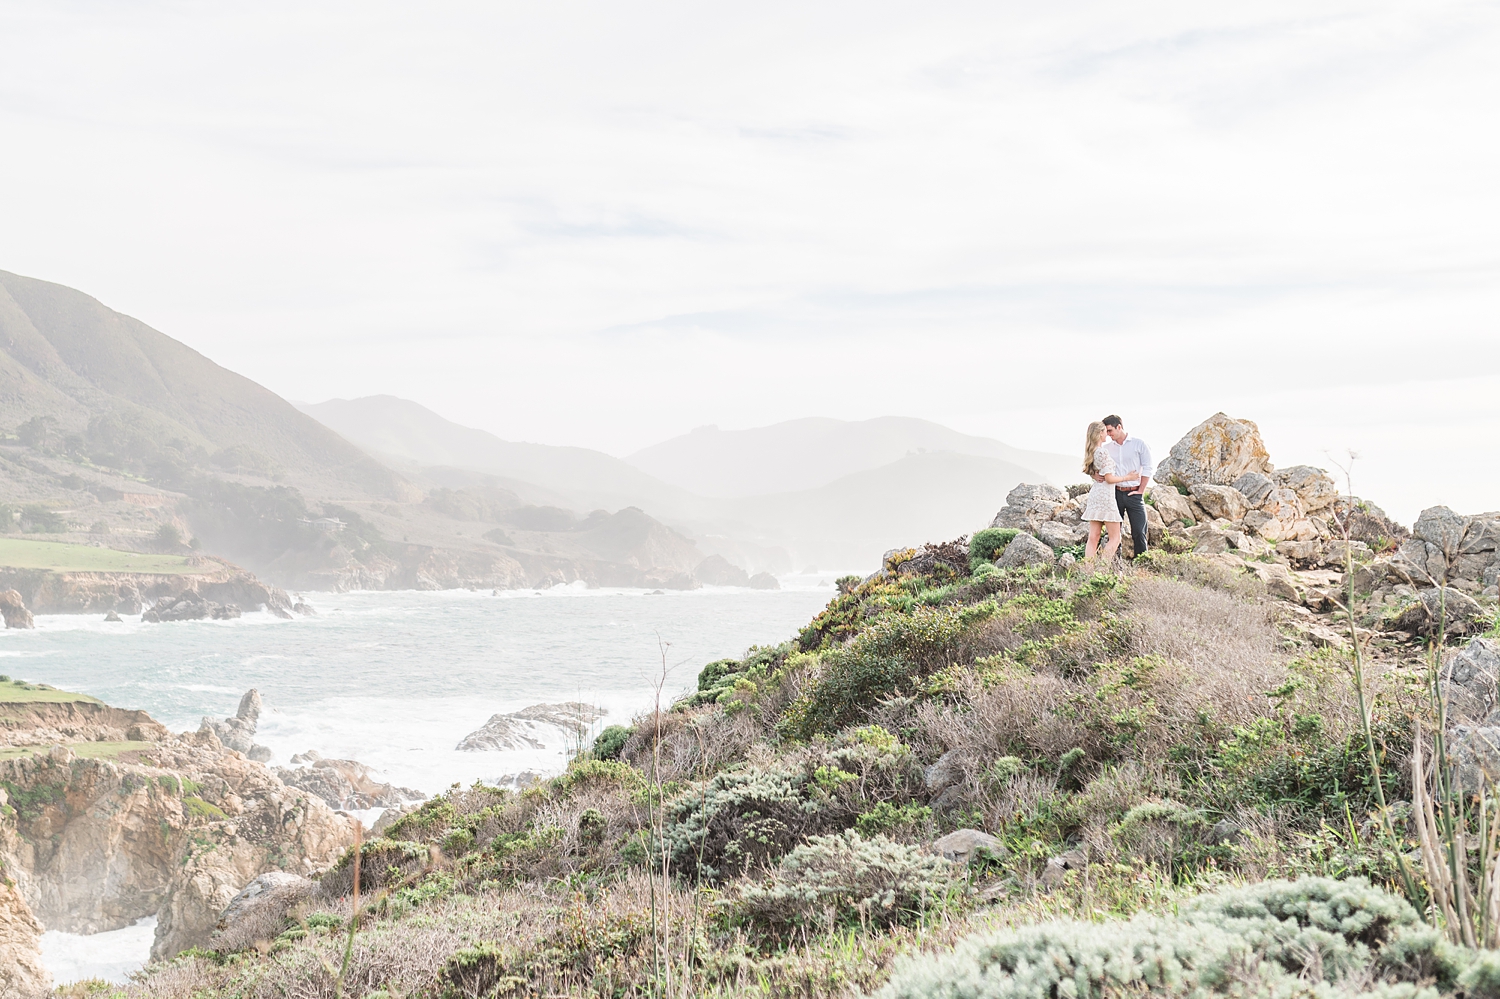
(1090, 441)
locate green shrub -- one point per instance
(1314, 937)
(609, 743)
(854, 880)
(893, 656)
(382, 862)
(986, 545)
(739, 819)
(886, 817)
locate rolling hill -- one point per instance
(119, 384)
(804, 454)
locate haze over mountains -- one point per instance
(818, 490)
(116, 434)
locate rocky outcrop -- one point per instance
(716, 570)
(237, 732)
(31, 723)
(527, 728)
(131, 593)
(174, 829)
(344, 784)
(13, 609)
(764, 581)
(189, 606)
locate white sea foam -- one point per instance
(112, 955)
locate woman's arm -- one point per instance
(1130, 477)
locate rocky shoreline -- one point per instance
(217, 582)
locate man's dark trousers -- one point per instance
(1133, 506)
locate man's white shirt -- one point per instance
(1131, 456)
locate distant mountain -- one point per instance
(805, 454)
(120, 386)
(405, 431)
(848, 523)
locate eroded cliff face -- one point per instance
(173, 828)
(46, 592)
(43, 724)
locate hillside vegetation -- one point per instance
(1132, 744)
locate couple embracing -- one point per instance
(1121, 468)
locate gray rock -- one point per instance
(344, 784)
(1423, 561)
(1025, 550)
(1027, 494)
(764, 581)
(1284, 504)
(1224, 502)
(1223, 831)
(1483, 535)
(1060, 535)
(1208, 540)
(1442, 528)
(1299, 551)
(1058, 867)
(946, 772)
(1476, 752)
(258, 913)
(1471, 682)
(1255, 487)
(1029, 505)
(1312, 486)
(965, 846)
(525, 729)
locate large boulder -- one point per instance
(13, 609)
(1059, 534)
(258, 914)
(1023, 550)
(1218, 451)
(1224, 502)
(1482, 535)
(967, 845)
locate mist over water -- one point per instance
(396, 679)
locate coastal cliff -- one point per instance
(51, 592)
(105, 817)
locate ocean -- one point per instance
(396, 679)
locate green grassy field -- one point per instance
(18, 692)
(82, 750)
(21, 553)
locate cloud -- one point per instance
(600, 224)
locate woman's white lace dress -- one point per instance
(1101, 502)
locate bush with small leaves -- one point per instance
(1315, 937)
(848, 878)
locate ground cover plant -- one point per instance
(1183, 789)
(56, 556)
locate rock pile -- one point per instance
(238, 732)
(1055, 516)
(344, 784)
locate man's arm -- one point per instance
(1148, 468)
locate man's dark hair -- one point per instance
(1113, 421)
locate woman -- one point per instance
(1100, 509)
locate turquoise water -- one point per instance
(395, 680)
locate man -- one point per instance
(1130, 455)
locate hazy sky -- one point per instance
(606, 224)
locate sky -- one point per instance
(605, 224)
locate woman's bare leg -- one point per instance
(1114, 541)
(1092, 547)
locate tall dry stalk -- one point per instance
(1357, 644)
(338, 981)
